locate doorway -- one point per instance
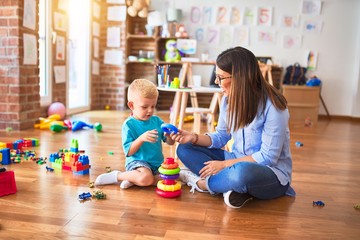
(78, 86)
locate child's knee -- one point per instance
(146, 179)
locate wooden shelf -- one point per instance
(137, 40)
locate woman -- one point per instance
(254, 114)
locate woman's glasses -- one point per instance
(217, 77)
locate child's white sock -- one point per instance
(107, 178)
(126, 184)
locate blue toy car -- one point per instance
(85, 196)
(318, 203)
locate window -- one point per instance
(45, 51)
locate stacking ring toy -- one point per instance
(169, 128)
(168, 194)
(169, 177)
(170, 165)
(169, 171)
(168, 188)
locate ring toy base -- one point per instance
(168, 194)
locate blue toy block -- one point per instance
(84, 159)
(53, 157)
(5, 156)
(83, 172)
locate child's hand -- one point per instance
(150, 136)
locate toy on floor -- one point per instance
(299, 144)
(55, 127)
(68, 124)
(169, 172)
(99, 194)
(45, 123)
(169, 128)
(77, 125)
(318, 203)
(71, 160)
(84, 196)
(7, 183)
(57, 108)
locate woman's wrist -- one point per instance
(195, 138)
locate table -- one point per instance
(181, 99)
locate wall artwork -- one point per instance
(312, 26)
(96, 47)
(312, 60)
(113, 57)
(60, 74)
(59, 22)
(291, 41)
(29, 17)
(312, 7)
(30, 49)
(289, 21)
(60, 48)
(63, 5)
(95, 69)
(96, 29)
(264, 16)
(267, 37)
(113, 37)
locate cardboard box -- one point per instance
(303, 103)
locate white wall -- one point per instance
(338, 45)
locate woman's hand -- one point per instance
(212, 168)
(182, 136)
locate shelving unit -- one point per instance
(136, 41)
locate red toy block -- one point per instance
(7, 183)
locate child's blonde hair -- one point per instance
(143, 88)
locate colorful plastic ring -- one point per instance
(168, 188)
(169, 128)
(168, 194)
(169, 171)
(169, 177)
(170, 166)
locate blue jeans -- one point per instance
(243, 177)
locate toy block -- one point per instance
(67, 168)
(67, 157)
(7, 183)
(2, 145)
(75, 157)
(9, 145)
(84, 172)
(27, 143)
(58, 163)
(79, 167)
(84, 160)
(53, 157)
(35, 142)
(5, 156)
(74, 146)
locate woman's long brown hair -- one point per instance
(249, 90)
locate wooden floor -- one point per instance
(326, 168)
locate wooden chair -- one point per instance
(266, 72)
(195, 110)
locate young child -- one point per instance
(141, 139)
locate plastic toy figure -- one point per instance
(318, 203)
(85, 196)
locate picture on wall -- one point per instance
(59, 22)
(60, 48)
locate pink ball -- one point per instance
(57, 108)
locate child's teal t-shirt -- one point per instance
(148, 152)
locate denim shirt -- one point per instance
(266, 139)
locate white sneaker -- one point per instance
(191, 179)
(126, 184)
